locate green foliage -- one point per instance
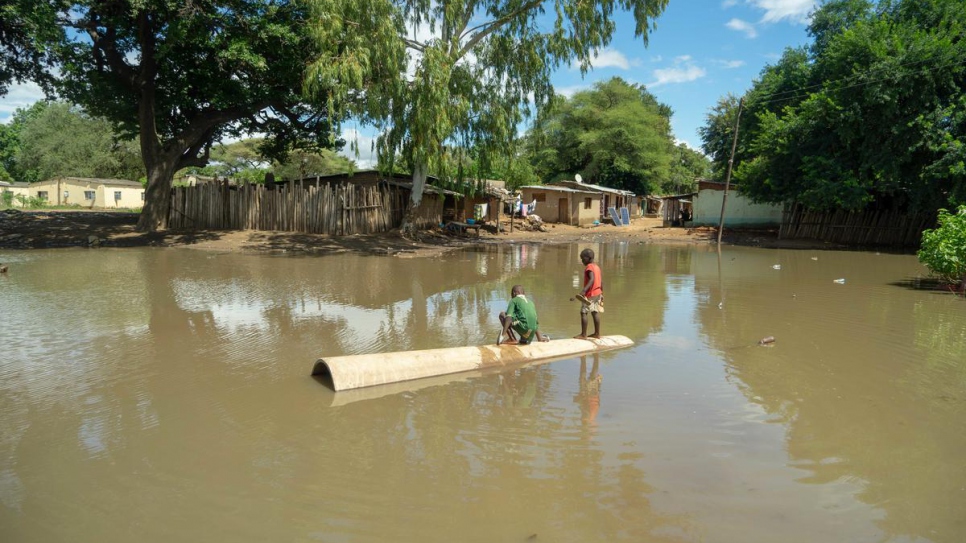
(301, 164)
(10, 138)
(872, 114)
(62, 141)
(24, 28)
(616, 135)
(447, 101)
(687, 167)
(182, 76)
(31, 202)
(943, 249)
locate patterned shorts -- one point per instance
(594, 304)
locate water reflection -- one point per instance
(161, 394)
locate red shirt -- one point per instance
(595, 289)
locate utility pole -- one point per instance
(731, 162)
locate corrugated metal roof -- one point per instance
(557, 188)
(92, 181)
(595, 188)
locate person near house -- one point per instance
(591, 296)
(519, 324)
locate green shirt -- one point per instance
(523, 311)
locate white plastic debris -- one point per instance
(776, 267)
(839, 281)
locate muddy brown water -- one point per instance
(164, 395)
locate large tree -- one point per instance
(64, 141)
(182, 75)
(476, 67)
(616, 134)
(24, 29)
(873, 113)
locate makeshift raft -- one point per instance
(365, 370)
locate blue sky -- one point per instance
(700, 51)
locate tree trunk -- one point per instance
(408, 227)
(157, 197)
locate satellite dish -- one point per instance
(578, 179)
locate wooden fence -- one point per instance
(882, 228)
(334, 209)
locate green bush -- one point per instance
(943, 249)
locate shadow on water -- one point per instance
(927, 284)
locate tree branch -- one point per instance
(492, 26)
(105, 49)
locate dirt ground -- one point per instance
(52, 229)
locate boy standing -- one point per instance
(592, 296)
(519, 319)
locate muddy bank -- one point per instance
(55, 229)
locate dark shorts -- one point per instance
(524, 334)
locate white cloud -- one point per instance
(730, 64)
(688, 144)
(729, 3)
(610, 58)
(796, 11)
(22, 95)
(365, 144)
(743, 26)
(571, 90)
(683, 71)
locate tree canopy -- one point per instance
(181, 76)
(59, 140)
(872, 113)
(616, 135)
(475, 68)
(25, 26)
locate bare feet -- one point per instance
(580, 337)
(510, 342)
(595, 336)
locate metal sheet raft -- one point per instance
(364, 370)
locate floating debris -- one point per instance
(766, 340)
(776, 267)
(839, 281)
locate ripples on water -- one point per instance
(158, 395)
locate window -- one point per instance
(142, 195)
(117, 195)
(540, 197)
(42, 194)
(66, 195)
(587, 202)
(88, 195)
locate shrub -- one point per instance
(943, 249)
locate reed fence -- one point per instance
(334, 209)
(869, 228)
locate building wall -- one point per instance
(492, 208)
(549, 202)
(587, 215)
(740, 210)
(89, 193)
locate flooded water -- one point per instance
(162, 395)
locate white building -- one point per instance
(91, 193)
